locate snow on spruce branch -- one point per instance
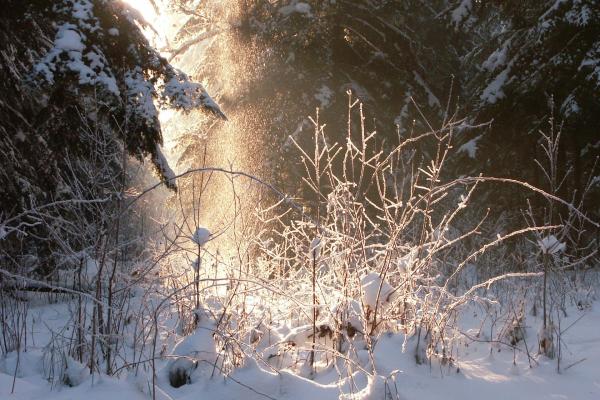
(71, 53)
(100, 46)
(181, 93)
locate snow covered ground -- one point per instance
(482, 370)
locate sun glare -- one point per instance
(159, 22)
(145, 8)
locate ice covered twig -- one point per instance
(314, 250)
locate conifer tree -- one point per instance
(72, 71)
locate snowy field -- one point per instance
(483, 370)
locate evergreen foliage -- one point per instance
(535, 61)
(79, 91)
(515, 65)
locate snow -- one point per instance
(550, 10)
(480, 369)
(551, 245)
(493, 92)
(314, 250)
(140, 95)
(201, 236)
(181, 370)
(75, 373)
(350, 313)
(373, 289)
(89, 271)
(470, 147)
(570, 106)
(22, 365)
(432, 99)
(460, 13)
(195, 352)
(295, 7)
(164, 169)
(404, 113)
(301, 336)
(591, 63)
(580, 15)
(324, 96)
(406, 262)
(492, 375)
(71, 51)
(67, 51)
(481, 373)
(197, 264)
(83, 10)
(182, 94)
(67, 39)
(497, 59)
(39, 389)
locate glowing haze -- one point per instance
(156, 18)
(145, 8)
